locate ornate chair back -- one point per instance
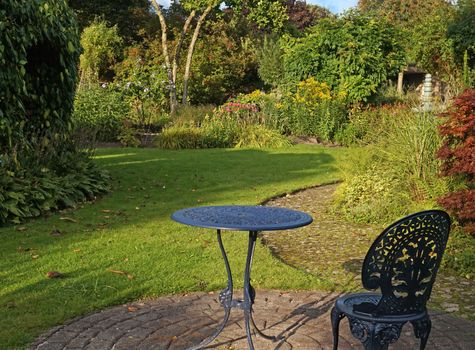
(403, 262)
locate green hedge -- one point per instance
(40, 167)
(39, 52)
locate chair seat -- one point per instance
(362, 306)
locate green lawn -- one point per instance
(129, 230)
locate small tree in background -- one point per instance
(102, 48)
(270, 61)
(458, 156)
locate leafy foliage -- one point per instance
(102, 48)
(355, 53)
(224, 63)
(430, 46)
(268, 14)
(404, 13)
(302, 15)
(462, 31)
(258, 136)
(458, 155)
(25, 194)
(270, 61)
(427, 38)
(234, 124)
(399, 172)
(314, 110)
(39, 51)
(132, 17)
(100, 112)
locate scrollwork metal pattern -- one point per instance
(375, 335)
(403, 262)
(255, 218)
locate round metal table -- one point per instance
(240, 218)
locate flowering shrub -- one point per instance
(237, 107)
(311, 92)
(244, 113)
(458, 156)
(314, 110)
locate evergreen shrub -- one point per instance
(40, 168)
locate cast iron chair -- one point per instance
(402, 262)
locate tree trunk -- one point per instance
(400, 79)
(176, 57)
(171, 81)
(190, 52)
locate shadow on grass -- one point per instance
(129, 230)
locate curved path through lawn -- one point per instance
(333, 249)
(329, 248)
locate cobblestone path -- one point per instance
(333, 249)
(179, 321)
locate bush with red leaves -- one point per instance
(458, 156)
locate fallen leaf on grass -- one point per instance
(35, 256)
(54, 274)
(120, 272)
(77, 250)
(106, 211)
(56, 233)
(67, 218)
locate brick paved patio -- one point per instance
(179, 321)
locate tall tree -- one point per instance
(303, 15)
(102, 46)
(130, 16)
(424, 25)
(404, 13)
(266, 13)
(462, 30)
(172, 60)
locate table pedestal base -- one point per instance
(226, 297)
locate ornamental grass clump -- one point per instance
(398, 173)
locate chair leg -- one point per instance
(336, 317)
(422, 330)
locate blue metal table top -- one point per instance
(242, 217)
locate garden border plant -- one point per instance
(458, 156)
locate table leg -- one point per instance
(225, 298)
(249, 294)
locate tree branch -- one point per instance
(176, 57)
(171, 81)
(190, 51)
